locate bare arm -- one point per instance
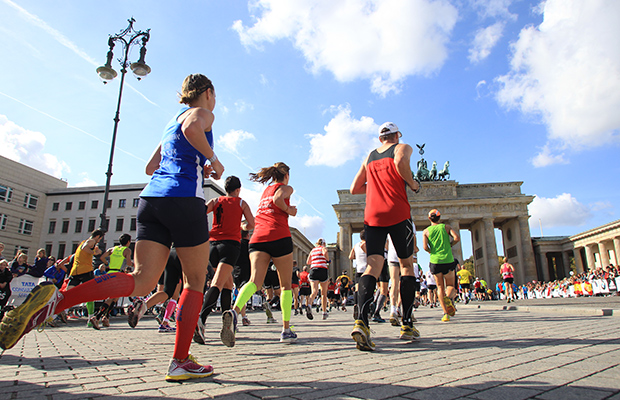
(249, 217)
(211, 205)
(402, 157)
(282, 193)
(194, 126)
(359, 182)
(352, 254)
(106, 255)
(154, 161)
(326, 255)
(455, 236)
(128, 260)
(425, 243)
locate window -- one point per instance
(74, 248)
(119, 224)
(109, 204)
(52, 228)
(25, 227)
(61, 251)
(132, 224)
(20, 249)
(78, 225)
(3, 221)
(122, 203)
(55, 206)
(48, 249)
(136, 202)
(30, 201)
(91, 225)
(65, 226)
(94, 204)
(68, 206)
(6, 193)
(81, 205)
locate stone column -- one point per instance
(529, 264)
(544, 263)
(491, 259)
(345, 247)
(578, 260)
(566, 262)
(517, 238)
(457, 249)
(602, 250)
(590, 257)
(617, 251)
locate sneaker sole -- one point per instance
(227, 334)
(15, 321)
(362, 341)
(198, 337)
(394, 321)
(288, 341)
(309, 316)
(189, 375)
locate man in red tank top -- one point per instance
(384, 177)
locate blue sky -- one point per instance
(506, 90)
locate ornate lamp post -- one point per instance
(128, 37)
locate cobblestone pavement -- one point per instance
(483, 353)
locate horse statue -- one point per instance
(444, 174)
(432, 175)
(422, 172)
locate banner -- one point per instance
(21, 288)
(586, 288)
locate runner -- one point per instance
(344, 282)
(358, 253)
(241, 273)
(305, 290)
(438, 241)
(318, 259)
(384, 177)
(225, 237)
(171, 209)
(465, 282)
(432, 289)
(271, 240)
(271, 284)
(295, 288)
(507, 275)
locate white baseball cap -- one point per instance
(388, 128)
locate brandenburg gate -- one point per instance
(479, 208)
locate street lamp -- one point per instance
(128, 37)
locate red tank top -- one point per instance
(304, 279)
(227, 217)
(506, 271)
(386, 191)
(271, 223)
(317, 259)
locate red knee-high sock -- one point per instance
(188, 311)
(100, 288)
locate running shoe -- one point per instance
(165, 328)
(105, 321)
(361, 335)
(245, 321)
(344, 308)
(451, 310)
(93, 322)
(267, 308)
(38, 307)
(288, 337)
(229, 328)
(445, 318)
(309, 313)
(356, 312)
(413, 319)
(296, 312)
(377, 318)
(271, 320)
(188, 369)
(199, 332)
(394, 320)
(325, 315)
(409, 333)
(136, 312)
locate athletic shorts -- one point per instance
(172, 274)
(271, 278)
(318, 274)
(305, 290)
(442, 268)
(75, 280)
(276, 248)
(465, 285)
(402, 235)
(294, 285)
(432, 287)
(241, 275)
(224, 251)
(384, 276)
(509, 280)
(423, 292)
(332, 295)
(179, 220)
(344, 293)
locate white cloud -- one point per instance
(383, 41)
(566, 71)
(86, 181)
(546, 157)
(345, 139)
(494, 8)
(232, 139)
(26, 147)
(242, 106)
(484, 41)
(311, 226)
(562, 210)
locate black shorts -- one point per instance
(402, 235)
(465, 286)
(479, 290)
(442, 268)
(423, 292)
(318, 274)
(75, 280)
(332, 295)
(344, 293)
(172, 274)
(305, 290)
(224, 251)
(276, 248)
(358, 275)
(432, 287)
(182, 220)
(509, 280)
(384, 276)
(272, 280)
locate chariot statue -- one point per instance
(422, 173)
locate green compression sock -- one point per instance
(245, 294)
(286, 301)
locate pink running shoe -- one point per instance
(38, 307)
(188, 369)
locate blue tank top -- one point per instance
(181, 169)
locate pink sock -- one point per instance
(99, 288)
(190, 304)
(172, 305)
